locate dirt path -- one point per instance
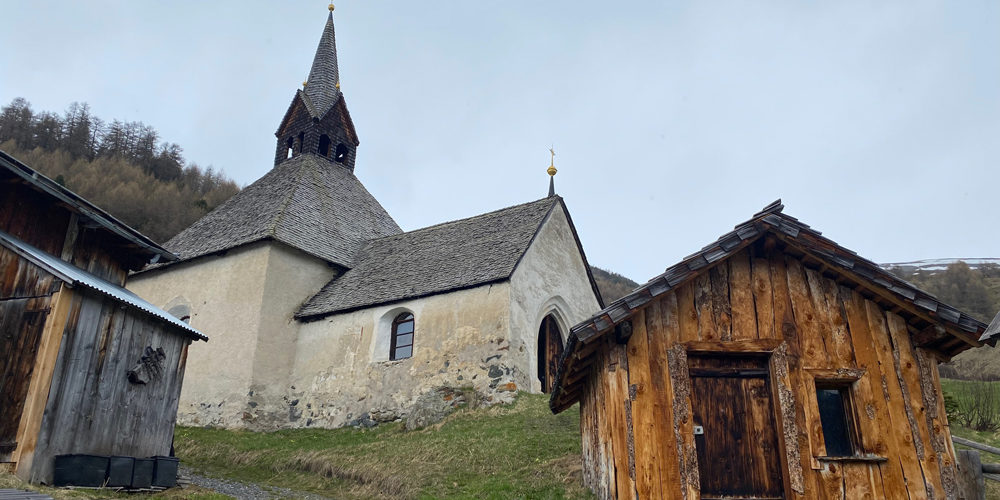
(245, 491)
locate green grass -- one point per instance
(515, 451)
(189, 493)
(963, 393)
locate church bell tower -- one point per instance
(317, 121)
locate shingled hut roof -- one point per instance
(436, 259)
(945, 328)
(305, 202)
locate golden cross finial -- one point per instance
(552, 166)
(331, 6)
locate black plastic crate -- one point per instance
(80, 470)
(142, 473)
(165, 472)
(120, 471)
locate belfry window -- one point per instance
(324, 145)
(302, 140)
(341, 154)
(290, 145)
(401, 346)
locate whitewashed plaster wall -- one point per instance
(461, 339)
(550, 279)
(251, 340)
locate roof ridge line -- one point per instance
(549, 198)
(272, 229)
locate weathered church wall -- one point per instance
(225, 298)
(550, 279)
(461, 339)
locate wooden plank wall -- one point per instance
(25, 296)
(636, 423)
(36, 219)
(92, 407)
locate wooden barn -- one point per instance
(88, 367)
(771, 364)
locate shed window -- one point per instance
(401, 346)
(836, 414)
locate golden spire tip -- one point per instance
(331, 6)
(552, 165)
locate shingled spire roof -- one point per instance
(323, 86)
(306, 203)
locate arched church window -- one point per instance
(401, 346)
(550, 347)
(324, 145)
(302, 140)
(341, 154)
(290, 144)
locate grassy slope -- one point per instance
(959, 389)
(516, 451)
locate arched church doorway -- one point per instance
(550, 346)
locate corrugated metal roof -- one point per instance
(78, 277)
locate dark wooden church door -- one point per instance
(550, 347)
(735, 431)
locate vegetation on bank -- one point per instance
(510, 451)
(122, 167)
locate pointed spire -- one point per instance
(323, 85)
(552, 173)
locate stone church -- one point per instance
(321, 309)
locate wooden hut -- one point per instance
(771, 364)
(88, 367)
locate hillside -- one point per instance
(611, 284)
(973, 288)
(122, 167)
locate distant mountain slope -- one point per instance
(935, 265)
(972, 285)
(612, 285)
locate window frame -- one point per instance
(852, 432)
(401, 319)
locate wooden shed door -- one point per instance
(737, 448)
(20, 331)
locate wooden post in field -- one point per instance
(971, 484)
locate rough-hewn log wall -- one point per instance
(636, 418)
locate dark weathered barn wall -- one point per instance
(32, 217)
(92, 405)
(636, 414)
(25, 297)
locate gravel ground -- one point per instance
(245, 491)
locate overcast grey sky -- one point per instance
(876, 122)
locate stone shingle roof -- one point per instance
(305, 202)
(321, 88)
(436, 259)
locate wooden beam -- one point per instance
(762, 346)
(975, 445)
(41, 381)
